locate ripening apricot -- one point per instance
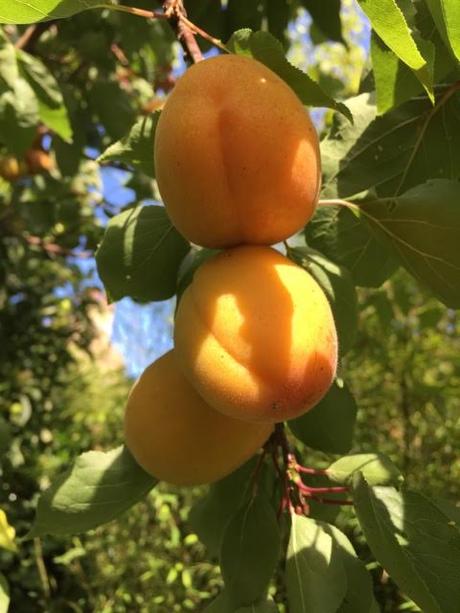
(175, 436)
(236, 155)
(255, 335)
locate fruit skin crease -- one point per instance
(236, 155)
(175, 436)
(255, 335)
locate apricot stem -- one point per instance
(338, 202)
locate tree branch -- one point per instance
(28, 40)
(176, 14)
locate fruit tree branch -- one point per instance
(176, 14)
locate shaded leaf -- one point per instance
(389, 153)
(377, 469)
(210, 515)
(19, 11)
(315, 577)
(339, 288)
(414, 541)
(99, 487)
(140, 255)
(343, 237)
(113, 105)
(359, 597)
(264, 47)
(422, 227)
(52, 110)
(136, 148)
(327, 21)
(191, 263)
(5, 435)
(250, 550)
(330, 424)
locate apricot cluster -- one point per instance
(237, 164)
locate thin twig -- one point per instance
(30, 37)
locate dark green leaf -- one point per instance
(377, 469)
(52, 110)
(190, 265)
(330, 424)
(250, 550)
(210, 514)
(264, 47)
(449, 508)
(359, 597)
(389, 22)
(113, 105)
(327, 21)
(5, 435)
(422, 228)
(18, 11)
(415, 542)
(96, 489)
(339, 288)
(388, 153)
(315, 577)
(140, 255)
(343, 237)
(136, 148)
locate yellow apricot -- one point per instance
(255, 335)
(236, 155)
(175, 436)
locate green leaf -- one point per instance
(359, 597)
(449, 508)
(343, 237)
(264, 47)
(250, 550)
(388, 153)
(446, 15)
(262, 606)
(99, 487)
(422, 227)
(4, 594)
(19, 113)
(116, 116)
(377, 469)
(395, 83)
(140, 255)
(192, 262)
(389, 23)
(136, 148)
(210, 515)
(315, 578)
(329, 426)
(414, 541)
(19, 11)
(52, 110)
(339, 288)
(327, 21)
(5, 435)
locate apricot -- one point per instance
(175, 436)
(255, 335)
(236, 155)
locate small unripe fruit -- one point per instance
(11, 169)
(175, 436)
(255, 335)
(236, 155)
